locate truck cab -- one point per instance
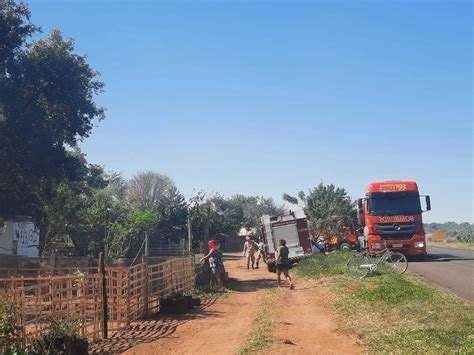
(391, 212)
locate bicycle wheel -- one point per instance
(395, 263)
(358, 266)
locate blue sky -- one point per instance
(266, 97)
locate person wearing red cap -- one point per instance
(215, 261)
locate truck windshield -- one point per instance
(391, 203)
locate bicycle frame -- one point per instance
(383, 255)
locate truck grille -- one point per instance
(396, 231)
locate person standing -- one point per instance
(215, 262)
(319, 244)
(282, 263)
(261, 252)
(249, 252)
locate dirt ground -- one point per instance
(304, 325)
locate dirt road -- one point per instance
(304, 324)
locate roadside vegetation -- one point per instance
(260, 336)
(212, 292)
(447, 244)
(450, 235)
(393, 313)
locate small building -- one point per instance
(19, 236)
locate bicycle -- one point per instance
(361, 263)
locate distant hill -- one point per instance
(463, 232)
(449, 228)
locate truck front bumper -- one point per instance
(407, 247)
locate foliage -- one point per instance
(323, 265)
(46, 107)
(449, 227)
(253, 207)
(463, 232)
(216, 216)
(465, 236)
(78, 213)
(149, 189)
(393, 313)
(10, 329)
(212, 291)
(261, 337)
(328, 208)
(58, 337)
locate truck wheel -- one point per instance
(345, 247)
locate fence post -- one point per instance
(190, 234)
(105, 310)
(146, 291)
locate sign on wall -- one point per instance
(26, 235)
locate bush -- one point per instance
(61, 338)
(465, 236)
(10, 328)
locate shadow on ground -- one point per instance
(441, 258)
(149, 330)
(251, 285)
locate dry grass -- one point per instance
(400, 314)
(444, 244)
(260, 336)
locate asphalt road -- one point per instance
(449, 268)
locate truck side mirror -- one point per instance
(428, 203)
(360, 203)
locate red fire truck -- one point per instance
(391, 212)
(293, 227)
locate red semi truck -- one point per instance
(391, 213)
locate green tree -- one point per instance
(328, 208)
(253, 208)
(77, 214)
(46, 106)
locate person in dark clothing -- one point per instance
(282, 263)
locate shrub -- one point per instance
(61, 337)
(10, 328)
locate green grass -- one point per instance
(260, 336)
(396, 290)
(321, 265)
(212, 292)
(394, 313)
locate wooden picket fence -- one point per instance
(131, 293)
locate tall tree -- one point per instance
(46, 106)
(149, 189)
(254, 207)
(328, 208)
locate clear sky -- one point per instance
(266, 97)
